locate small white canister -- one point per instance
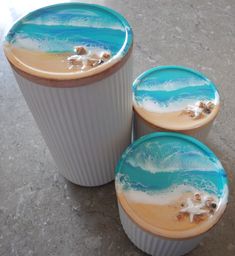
(174, 98)
(72, 62)
(171, 191)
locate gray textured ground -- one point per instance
(43, 214)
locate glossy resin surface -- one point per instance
(175, 98)
(171, 185)
(65, 41)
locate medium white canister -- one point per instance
(72, 62)
(174, 98)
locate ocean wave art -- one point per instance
(173, 174)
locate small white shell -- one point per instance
(81, 50)
(74, 60)
(105, 56)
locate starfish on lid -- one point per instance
(193, 209)
(85, 59)
(200, 109)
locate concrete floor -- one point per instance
(43, 214)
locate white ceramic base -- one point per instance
(142, 128)
(155, 245)
(86, 128)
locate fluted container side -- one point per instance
(86, 128)
(156, 245)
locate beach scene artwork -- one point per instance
(175, 97)
(68, 38)
(172, 184)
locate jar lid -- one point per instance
(69, 41)
(175, 98)
(171, 185)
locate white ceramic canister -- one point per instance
(171, 191)
(174, 98)
(72, 62)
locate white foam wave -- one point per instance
(173, 106)
(26, 41)
(174, 85)
(76, 23)
(224, 199)
(168, 196)
(33, 44)
(172, 158)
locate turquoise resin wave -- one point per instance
(58, 28)
(161, 162)
(172, 88)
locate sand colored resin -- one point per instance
(163, 220)
(52, 65)
(178, 120)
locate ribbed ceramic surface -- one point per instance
(86, 128)
(155, 245)
(141, 128)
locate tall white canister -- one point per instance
(72, 62)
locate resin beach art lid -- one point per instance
(171, 185)
(68, 41)
(175, 98)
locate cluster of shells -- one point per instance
(200, 109)
(86, 59)
(197, 208)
